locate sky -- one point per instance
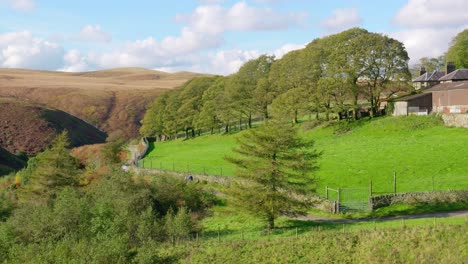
(208, 36)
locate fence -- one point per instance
(429, 190)
(188, 168)
(318, 227)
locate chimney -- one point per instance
(450, 67)
(422, 70)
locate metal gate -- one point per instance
(349, 199)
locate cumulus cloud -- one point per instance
(216, 19)
(22, 50)
(429, 25)
(426, 42)
(22, 5)
(341, 19)
(280, 52)
(196, 48)
(93, 33)
(433, 13)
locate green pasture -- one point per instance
(424, 154)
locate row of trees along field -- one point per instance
(332, 74)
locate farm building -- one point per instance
(427, 79)
(447, 94)
(450, 97)
(417, 104)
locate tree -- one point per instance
(274, 163)
(458, 51)
(243, 85)
(51, 171)
(384, 64)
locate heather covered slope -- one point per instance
(113, 100)
(29, 128)
(9, 162)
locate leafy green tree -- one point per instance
(242, 86)
(290, 104)
(53, 170)
(208, 117)
(111, 152)
(429, 64)
(344, 60)
(274, 163)
(152, 123)
(384, 63)
(458, 51)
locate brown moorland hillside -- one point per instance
(9, 162)
(28, 127)
(113, 100)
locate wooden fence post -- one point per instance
(326, 192)
(394, 182)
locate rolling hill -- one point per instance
(29, 127)
(113, 100)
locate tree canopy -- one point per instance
(458, 51)
(332, 74)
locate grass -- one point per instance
(411, 242)
(421, 150)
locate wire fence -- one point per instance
(317, 227)
(188, 168)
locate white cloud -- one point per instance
(425, 42)
(74, 61)
(341, 19)
(215, 19)
(433, 13)
(93, 33)
(22, 50)
(430, 26)
(280, 52)
(22, 5)
(190, 50)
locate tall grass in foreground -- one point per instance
(436, 244)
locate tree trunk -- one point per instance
(271, 222)
(295, 116)
(226, 129)
(250, 120)
(265, 111)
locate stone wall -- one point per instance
(456, 120)
(414, 198)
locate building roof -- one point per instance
(457, 75)
(411, 97)
(448, 86)
(430, 76)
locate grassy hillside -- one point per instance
(29, 128)
(421, 151)
(113, 100)
(441, 244)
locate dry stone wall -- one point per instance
(456, 120)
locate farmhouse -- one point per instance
(447, 94)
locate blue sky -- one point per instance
(212, 36)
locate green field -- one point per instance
(440, 243)
(423, 152)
